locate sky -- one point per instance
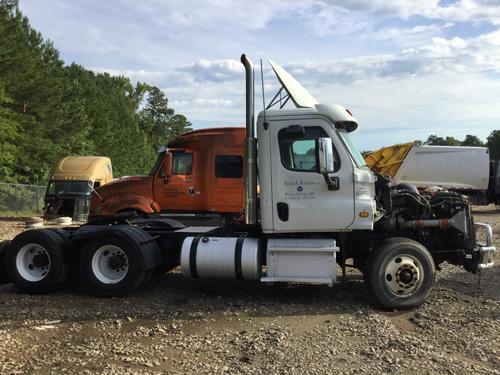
(405, 68)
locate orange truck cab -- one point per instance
(200, 173)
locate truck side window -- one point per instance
(228, 166)
(299, 154)
(182, 163)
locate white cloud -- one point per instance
(396, 63)
(446, 68)
(461, 10)
(215, 70)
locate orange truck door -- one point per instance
(178, 191)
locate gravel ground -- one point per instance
(177, 325)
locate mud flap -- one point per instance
(3, 274)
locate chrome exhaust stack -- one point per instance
(250, 147)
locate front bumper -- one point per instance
(484, 250)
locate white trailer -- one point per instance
(457, 168)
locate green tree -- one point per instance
(452, 141)
(434, 140)
(159, 121)
(49, 110)
(472, 140)
(493, 143)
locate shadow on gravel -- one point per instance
(173, 296)
(472, 286)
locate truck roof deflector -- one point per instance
(299, 95)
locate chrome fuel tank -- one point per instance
(221, 257)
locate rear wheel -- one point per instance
(35, 261)
(110, 266)
(400, 274)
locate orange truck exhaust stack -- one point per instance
(199, 172)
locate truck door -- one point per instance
(178, 191)
(301, 199)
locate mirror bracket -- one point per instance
(333, 183)
(167, 165)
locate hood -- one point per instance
(132, 184)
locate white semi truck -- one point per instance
(319, 206)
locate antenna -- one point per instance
(263, 94)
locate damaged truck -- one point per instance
(71, 185)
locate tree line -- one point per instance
(492, 142)
(49, 109)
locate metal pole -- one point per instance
(37, 197)
(17, 201)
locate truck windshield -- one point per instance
(355, 154)
(69, 187)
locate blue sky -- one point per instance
(405, 68)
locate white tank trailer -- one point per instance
(319, 207)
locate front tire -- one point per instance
(400, 274)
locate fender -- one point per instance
(124, 201)
(151, 255)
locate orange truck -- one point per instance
(200, 173)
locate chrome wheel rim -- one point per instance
(110, 264)
(403, 275)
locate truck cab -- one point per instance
(295, 193)
(199, 172)
(71, 184)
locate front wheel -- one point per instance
(400, 274)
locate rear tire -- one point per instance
(35, 261)
(400, 274)
(110, 266)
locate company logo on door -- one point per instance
(301, 183)
(300, 192)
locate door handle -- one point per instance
(191, 190)
(283, 211)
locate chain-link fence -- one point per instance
(21, 200)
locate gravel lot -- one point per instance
(176, 325)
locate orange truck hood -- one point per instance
(133, 184)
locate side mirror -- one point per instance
(325, 162)
(325, 155)
(167, 164)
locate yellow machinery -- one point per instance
(387, 160)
